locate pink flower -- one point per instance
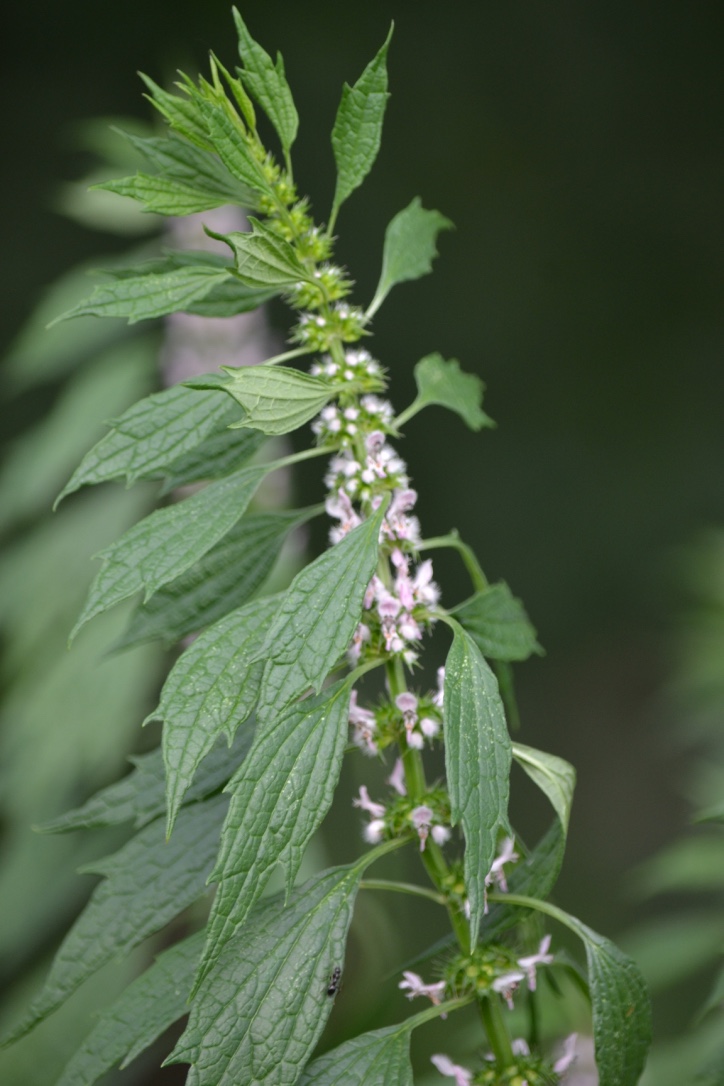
(437, 698)
(416, 987)
(445, 1066)
(529, 963)
(507, 985)
(364, 723)
(421, 818)
(569, 1055)
(397, 778)
(377, 810)
(506, 855)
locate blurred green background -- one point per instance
(578, 149)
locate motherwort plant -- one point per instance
(263, 705)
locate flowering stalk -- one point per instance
(262, 702)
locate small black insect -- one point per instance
(333, 987)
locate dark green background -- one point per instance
(578, 149)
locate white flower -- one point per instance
(374, 831)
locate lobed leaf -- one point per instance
(224, 579)
(263, 259)
(380, 1058)
(183, 114)
(182, 163)
(147, 883)
(553, 775)
(267, 84)
(164, 196)
(150, 1004)
(278, 799)
(477, 762)
(276, 400)
(229, 298)
(232, 148)
(409, 248)
(152, 435)
(211, 690)
(358, 127)
(149, 291)
(258, 1015)
(497, 622)
(443, 383)
(167, 542)
(317, 617)
(140, 797)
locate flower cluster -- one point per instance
(527, 1070)
(318, 331)
(429, 819)
(409, 718)
(495, 968)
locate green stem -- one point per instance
(287, 355)
(497, 1031)
(403, 888)
(504, 674)
(453, 540)
(409, 412)
(297, 458)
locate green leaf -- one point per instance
(262, 258)
(620, 1003)
(218, 455)
(477, 762)
(258, 1015)
(183, 114)
(267, 84)
(140, 797)
(443, 383)
(409, 248)
(180, 161)
(163, 196)
(152, 1003)
(229, 299)
(279, 797)
(147, 883)
(380, 1058)
(153, 290)
(553, 775)
(152, 435)
(224, 579)
(535, 875)
(358, 127)
(497, 622)
(276, 400)
(165, 544)
(317, 617)
(211, 690)
(232, 148)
